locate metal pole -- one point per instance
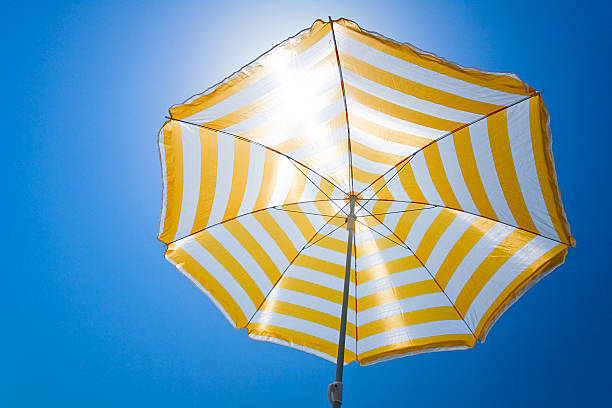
(334, 391)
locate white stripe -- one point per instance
(265, 240)
(448, 239)
(384, 256)
(225, 171)
(519, 133)
(289, 227)
(422, 75)
(382, 145)
(392, 281)
(413, 332)
(314, 127)
(410, 304)
(475, 257)
(524, 257)
(302, 326)
(319, 278)
(309, 301)
(450, 162)
(221, 275)
(301, 62)
(257, 156)
(392, 122)
(420, 227)
(423, 179)
(284, 177)
(190, 138)
(296, 346)
(395, 186)
(320, 143)
(368, 165)
(242, 256)
(293, 102)
(488, 173)
(407, 101)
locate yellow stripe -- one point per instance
(306, 313)
(277, 233)
(406, 52)
(303, 223)
(173, 154)
(269, 176)
(380, 208)
(385, 133)
(400, 112)
(504, 251)
(208, 178)
(408, 319)
(545, 263)
(216, 290)
(415, 345)
(299, 338)
(461, 248)
(405, 224)
(434, 233)
(406, 176)
(313, 289)
(251, 245)
(239, 178)
(387, 268)
(321, 265)
(370, 153)
(364, 176)
(398, 293)
(438, 176)
(304, 138)
(506, 171)
(325, 155)
(298, 184)
(413, 88)
(225, 258)
(273, 98)
(249, 76)
(540, 142)
(469, 171)
(330, 243)
(375, 245)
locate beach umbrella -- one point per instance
(360, 199)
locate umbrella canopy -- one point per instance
(445, 174)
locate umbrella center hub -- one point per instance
(347, 197)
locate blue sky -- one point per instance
(92, 314)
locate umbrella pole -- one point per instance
(334, 391)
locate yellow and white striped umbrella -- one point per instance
(450, 170)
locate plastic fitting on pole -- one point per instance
(334, 392)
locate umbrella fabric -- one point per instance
(457, 204)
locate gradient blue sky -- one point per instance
(93, 316)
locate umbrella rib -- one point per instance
(406, 159)
(348, 127)
(302, 212)
(258, 144)
(380, 233)
(430, 274)
(474, 214)
(325, 236)
(405, 211)
(242, 215)
(288, 266)
(320, 189)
